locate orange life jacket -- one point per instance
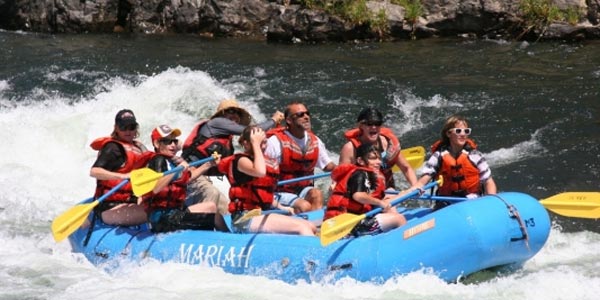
(202, 147)
(295, 162)
(134, 159)
(461, 175)
(171, 196)
(340, 201)
(255, 193)
(389, 155)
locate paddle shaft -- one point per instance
(284, 182)
(409, 152)
(192, 164)
(112, 191)
(401, 199)
(433, 197)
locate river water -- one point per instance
(534, 110)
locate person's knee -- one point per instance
(314, 194)
(401, 220)
(315, 198)
(210, 206)
(302, 205)
(305, 230)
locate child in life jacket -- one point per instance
(359, 187)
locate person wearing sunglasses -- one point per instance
(216, 135)
(370, 130)
(165, 204)
(456, 158)
(118, 155)
(298, 151)
(253, 177)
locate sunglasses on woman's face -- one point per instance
(458, 131)
(167, 142)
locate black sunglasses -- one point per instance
(301, 114)
(128, 127)
(372, 123)
(168, 141)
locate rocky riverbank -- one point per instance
(312, 21)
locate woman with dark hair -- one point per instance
(456, 158)
(118, 155)
(358, 188)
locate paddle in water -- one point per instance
(569, 204)
(66, 223)
(574, 204)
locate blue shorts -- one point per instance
(288, 199)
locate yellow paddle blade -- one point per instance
(415, 157)
(69, 221)
(143, 180)
(574, 204)
(249, 215)
(339, 226)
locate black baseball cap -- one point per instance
(370, 114)
(124, 118)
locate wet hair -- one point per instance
(245, 136)
(449, 124)
(363, 151)
(370, 114)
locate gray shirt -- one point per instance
(220, 126)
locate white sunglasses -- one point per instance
(460, 130)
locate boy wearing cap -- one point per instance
(216, 135)
(118, 155)
(165, 203)
(369, 130)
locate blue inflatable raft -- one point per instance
(466, 237)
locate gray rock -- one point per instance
(288, 21)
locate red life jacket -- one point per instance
(134, 159)
(295, 162)
(389, 155)
(461, 175)
(202, 147)
(171, 196)
(340, 201)
(255, 193)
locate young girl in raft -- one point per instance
(253, 178)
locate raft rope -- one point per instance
(514, 214)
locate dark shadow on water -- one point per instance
(491, 274)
